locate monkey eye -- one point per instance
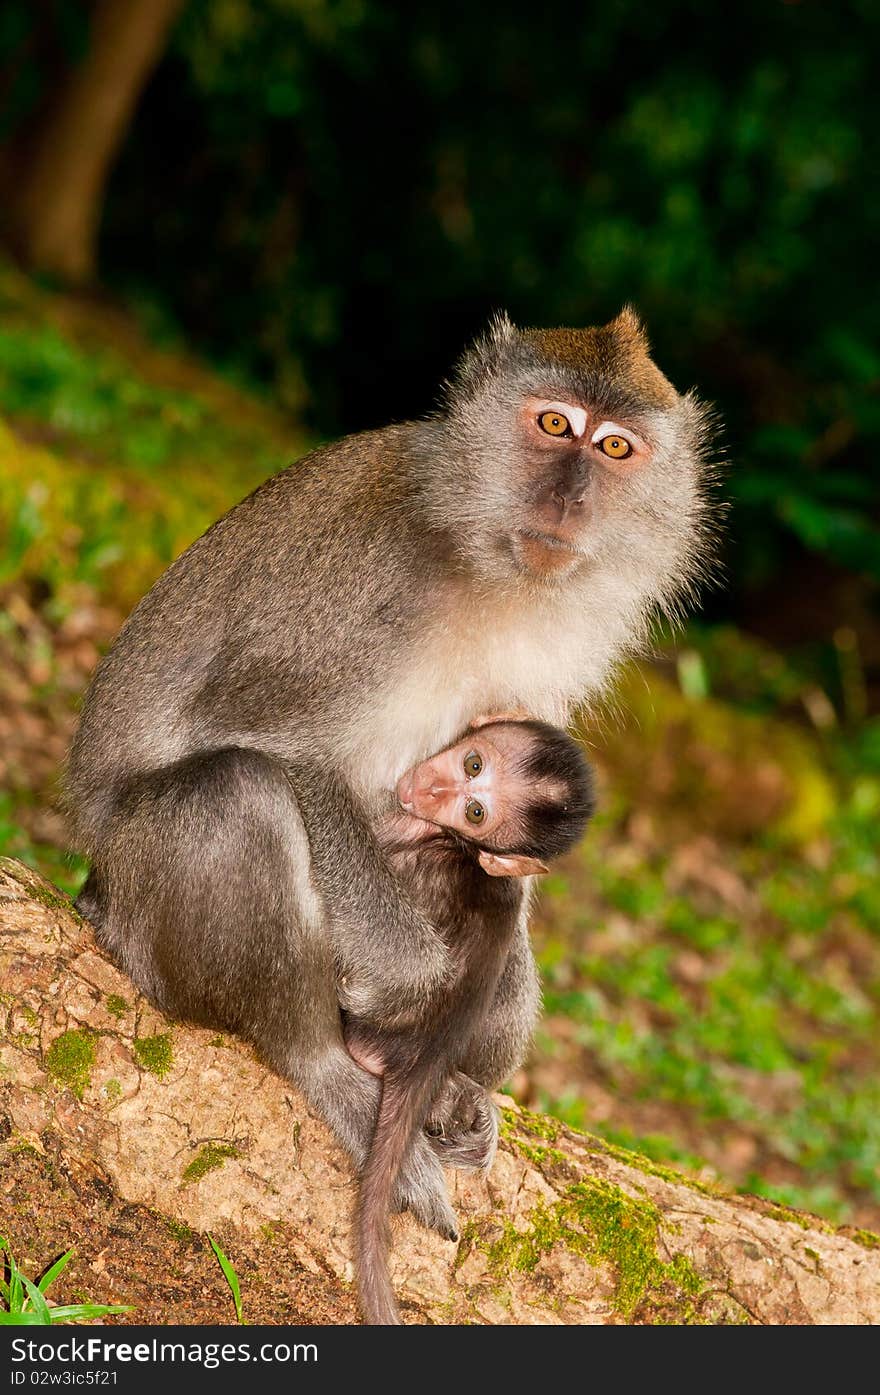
(475, 811)
(473, 763)
(554, 424)
(615, 446)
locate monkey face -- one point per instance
(565, 454)
(478, 787)
(571, 452)
(468, 787)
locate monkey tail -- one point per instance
(406, 1097)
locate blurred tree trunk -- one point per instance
(56, 199)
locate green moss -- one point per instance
(866, 1238)
(220, 1041)
(56, 900)
(538, 1125)
(550, 1129)
(179, 1230)
(652, 1168)
(116, 1005)
(113, 1090)
(514, 1123)
(213, 1155)
(602, 1224)
(155, 1054)
(70, 1059)
(542, 1157)
(790, 1217)
(22, 1146)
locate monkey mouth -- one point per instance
(545, 553)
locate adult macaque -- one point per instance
(476, 817)
(345, 620)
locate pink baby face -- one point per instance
(475, 788)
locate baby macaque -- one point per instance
(472, 820)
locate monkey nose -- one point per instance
(431, 794)
(405, 791)
(568, 497)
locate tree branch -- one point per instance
(567, 1229)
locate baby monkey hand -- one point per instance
(519, 714)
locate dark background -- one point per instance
(331, 198)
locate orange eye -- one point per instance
(554, 423)
(615, 446)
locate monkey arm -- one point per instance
(390, 957)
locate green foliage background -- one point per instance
(380, 177)
(332, 195)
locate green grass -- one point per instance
(111, 470)
(65, 869)
(23, 1303)
(231, 1278)
(778, 1035)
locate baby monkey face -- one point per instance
(474, 787)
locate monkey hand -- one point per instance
(462, 1125)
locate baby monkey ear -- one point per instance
(510, 864)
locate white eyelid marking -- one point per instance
(610, 428)
(576, 416)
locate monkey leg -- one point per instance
(347, 1098)
(201, 893)
(462, 1125)
(499, 1047)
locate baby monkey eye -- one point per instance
(615, 446)
(473, 763)
(475, 812)
(555, 424)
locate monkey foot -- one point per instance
(426, 1200)
(462, 1126)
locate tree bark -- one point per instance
(567, 1229)
(55, 209)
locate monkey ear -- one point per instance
(510, 864)
(629, 329)
(501, 329)
(480, 362)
